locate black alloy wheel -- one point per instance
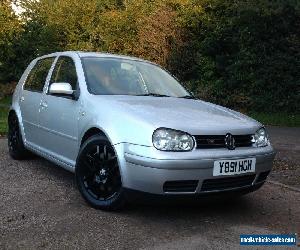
(98, 175)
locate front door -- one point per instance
(59, 115)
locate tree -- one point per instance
(10, 28)
(244, 54)
(235, 53)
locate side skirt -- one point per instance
(51, 158)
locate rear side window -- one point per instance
(37, 76)
(65, 71)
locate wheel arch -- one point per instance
(94, 130)
(90, 132)
(11, 112)
(15, 112)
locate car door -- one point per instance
(59, 115)
(30, 99)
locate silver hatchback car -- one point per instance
(123, 124)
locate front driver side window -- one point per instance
(65, 71)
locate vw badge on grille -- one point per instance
(229, 141)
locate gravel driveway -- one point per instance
(40, 208)
(286, 141)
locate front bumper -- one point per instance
(149, 170)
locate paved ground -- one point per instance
(286, 141)
(40, 207)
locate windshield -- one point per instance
(115, 76)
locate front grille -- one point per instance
(218, 141)
(227, 183)
(180, 186)
(262, 176)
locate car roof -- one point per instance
(103, 54)
(83, 54)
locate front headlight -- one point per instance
(261, 138)
(172, 140)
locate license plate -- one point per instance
(232, 167)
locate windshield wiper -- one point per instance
(154, 94)
(187, 97)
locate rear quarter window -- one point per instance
(38, 74)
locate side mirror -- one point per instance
(61, 88)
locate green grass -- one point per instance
(3, 120)
(4, 107)
(277, 119)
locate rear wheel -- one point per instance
(15, 142)
(98, 174)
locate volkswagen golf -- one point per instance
(125, 125)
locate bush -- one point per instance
(244, 54)
(7, 89)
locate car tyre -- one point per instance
(98, 175)
(16, 146)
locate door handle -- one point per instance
(22, 99)
(44, 105)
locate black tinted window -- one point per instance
(37, 76)
(65, 71)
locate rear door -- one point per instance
(31, 97)
(59, 115)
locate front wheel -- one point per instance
(98, 175)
